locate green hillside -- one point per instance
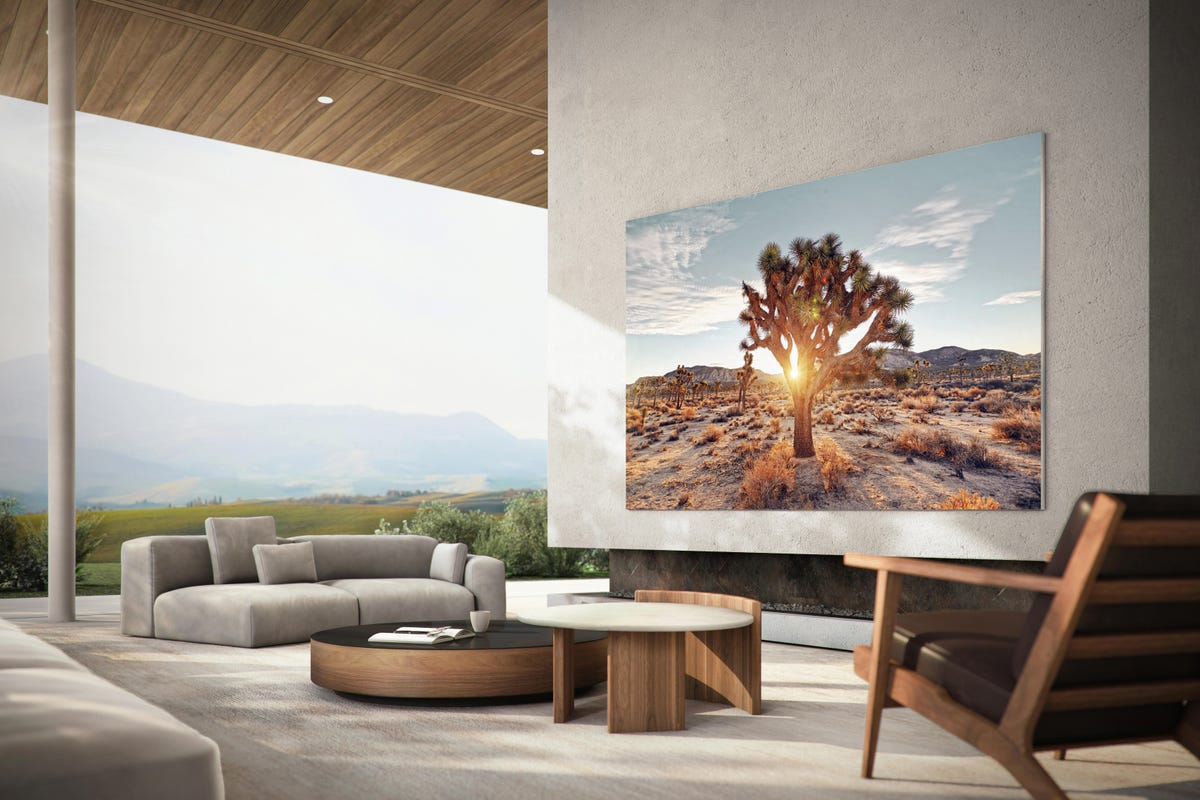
(291, 519)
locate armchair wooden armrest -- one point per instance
(958, 573)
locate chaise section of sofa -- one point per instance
(168, 590)
(66, 733)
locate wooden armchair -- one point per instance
(1108, 653)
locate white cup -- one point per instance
(480, 621)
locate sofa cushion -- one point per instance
(68, 733)
(285, 563)
(449, 562)
(21, 651)
(252, 614)
(355, 556)
(231, 543)
(407, 599)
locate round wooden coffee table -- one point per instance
(511, 660)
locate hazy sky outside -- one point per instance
(237, 275)
(961, 230)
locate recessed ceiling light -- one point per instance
(324, 99)
(537, 151)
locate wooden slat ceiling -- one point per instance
(448, 92)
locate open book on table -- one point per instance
(410, 635)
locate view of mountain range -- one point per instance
(940, 358)
(139, 444)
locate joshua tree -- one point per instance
(812, 296)
(745, 377)
(680, 381)
(919, 367)
(1008, 362)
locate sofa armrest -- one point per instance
(152, 565)
(484, 576)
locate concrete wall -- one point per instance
(657, 106)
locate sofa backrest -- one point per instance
(356, 556)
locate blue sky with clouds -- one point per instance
(961, 230)
(240, 275)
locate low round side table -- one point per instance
(510, 660)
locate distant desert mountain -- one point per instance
(940, 358)
(944, 357)
(710, 375)
(140, 443)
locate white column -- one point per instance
(61, 431)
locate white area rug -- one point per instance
(282, 737)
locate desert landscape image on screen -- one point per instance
(866, 341)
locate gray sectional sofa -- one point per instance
(67, 733)
(210, 588)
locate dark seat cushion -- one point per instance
(969, 653)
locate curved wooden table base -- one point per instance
(657, 654)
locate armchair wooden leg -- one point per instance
(1027, 770)
(1060, 755)
(1188, 733)
(887, 597)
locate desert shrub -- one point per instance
(769, 479)
(958, 406)
(446, 523)
(742, 435)
(926, 402)
(713, 433)
(835, 464)
(883, 413)
(940, 445)
(635, 420)
(975, 392)
(674, 436)
(995, 401)
(775, 427)
(744, 450)
(860, 425)
(826, 417)
(687, 412)
(1035, 391)
(519, 540)
(1022, 427)
(963, 500)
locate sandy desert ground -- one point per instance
(934, 446)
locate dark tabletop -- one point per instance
(500, 634)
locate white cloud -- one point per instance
(663, 294)
(926, 281)
(1014, 298)
(940, 222)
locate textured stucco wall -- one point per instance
(657, 106)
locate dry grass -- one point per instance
(883, 413)
(963, 500)
(687, 412)
(958, 407)
(926, 403)
(769, 479)
(775, 427)
(713, 433)
(861, 426)
(1022, 427)
(940, 445)
(835, 465)
(996, 401)
(635, 420)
